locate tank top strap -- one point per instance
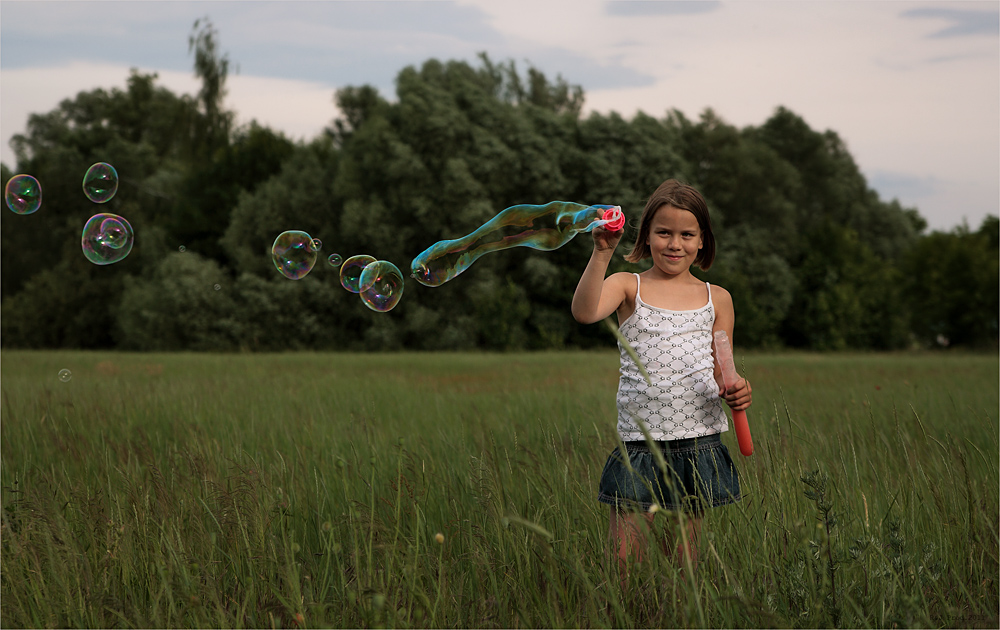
(709, 287)
(636, 287)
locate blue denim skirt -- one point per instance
(699, 473)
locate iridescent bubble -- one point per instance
(218, 287)
(350, 272)
(335, 260)
(385, 286)
(293, 254)
(107, 238)
(65, 375)
(317, 244)
(23, 194)
(182, 249)
(544, 227)
(100, 183)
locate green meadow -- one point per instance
(309, 489)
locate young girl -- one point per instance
(668, 316)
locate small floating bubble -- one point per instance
(23, 194)
(100, 183)
(107, 238)
(350, 272)
(65, 375)
(335, 260)
(385, 284)
(293, 254)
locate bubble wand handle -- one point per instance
(724, 355)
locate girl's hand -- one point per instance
(606, 240)
(738, 396)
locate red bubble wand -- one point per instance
(615, 219)
(724, 355)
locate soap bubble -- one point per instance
(107, 238)
(65, 375)
(100, 183)
(182, 249)
(218, 287)
(317, 244)
(350, 272)
(545, 227)
(385, 286)
(23, 194)
(293, 254)
(335, 260)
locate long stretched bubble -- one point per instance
(545, 227)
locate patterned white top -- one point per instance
(676, 349)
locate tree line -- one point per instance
(813, 256)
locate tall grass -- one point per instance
(309, 489)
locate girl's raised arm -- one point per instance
(596, 297)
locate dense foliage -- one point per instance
(813, 257)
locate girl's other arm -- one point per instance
(737, 395)
(596, 297)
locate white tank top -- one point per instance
(676, 349)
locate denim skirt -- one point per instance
(699, 473)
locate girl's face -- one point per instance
(674, 239)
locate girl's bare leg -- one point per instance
(627, 539)
(686, 541)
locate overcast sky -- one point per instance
(913, 88)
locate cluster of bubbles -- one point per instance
(106, 238)
(379, 283)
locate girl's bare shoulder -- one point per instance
(624, 281)
(723, 303)
(720, 295)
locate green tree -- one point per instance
(223, 162)
(760, 281)
(951, 286)
(211, 130)
(847, 297)
(834, 190)
(204, 199)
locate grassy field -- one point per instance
(308, 490)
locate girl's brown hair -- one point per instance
(684, 197)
